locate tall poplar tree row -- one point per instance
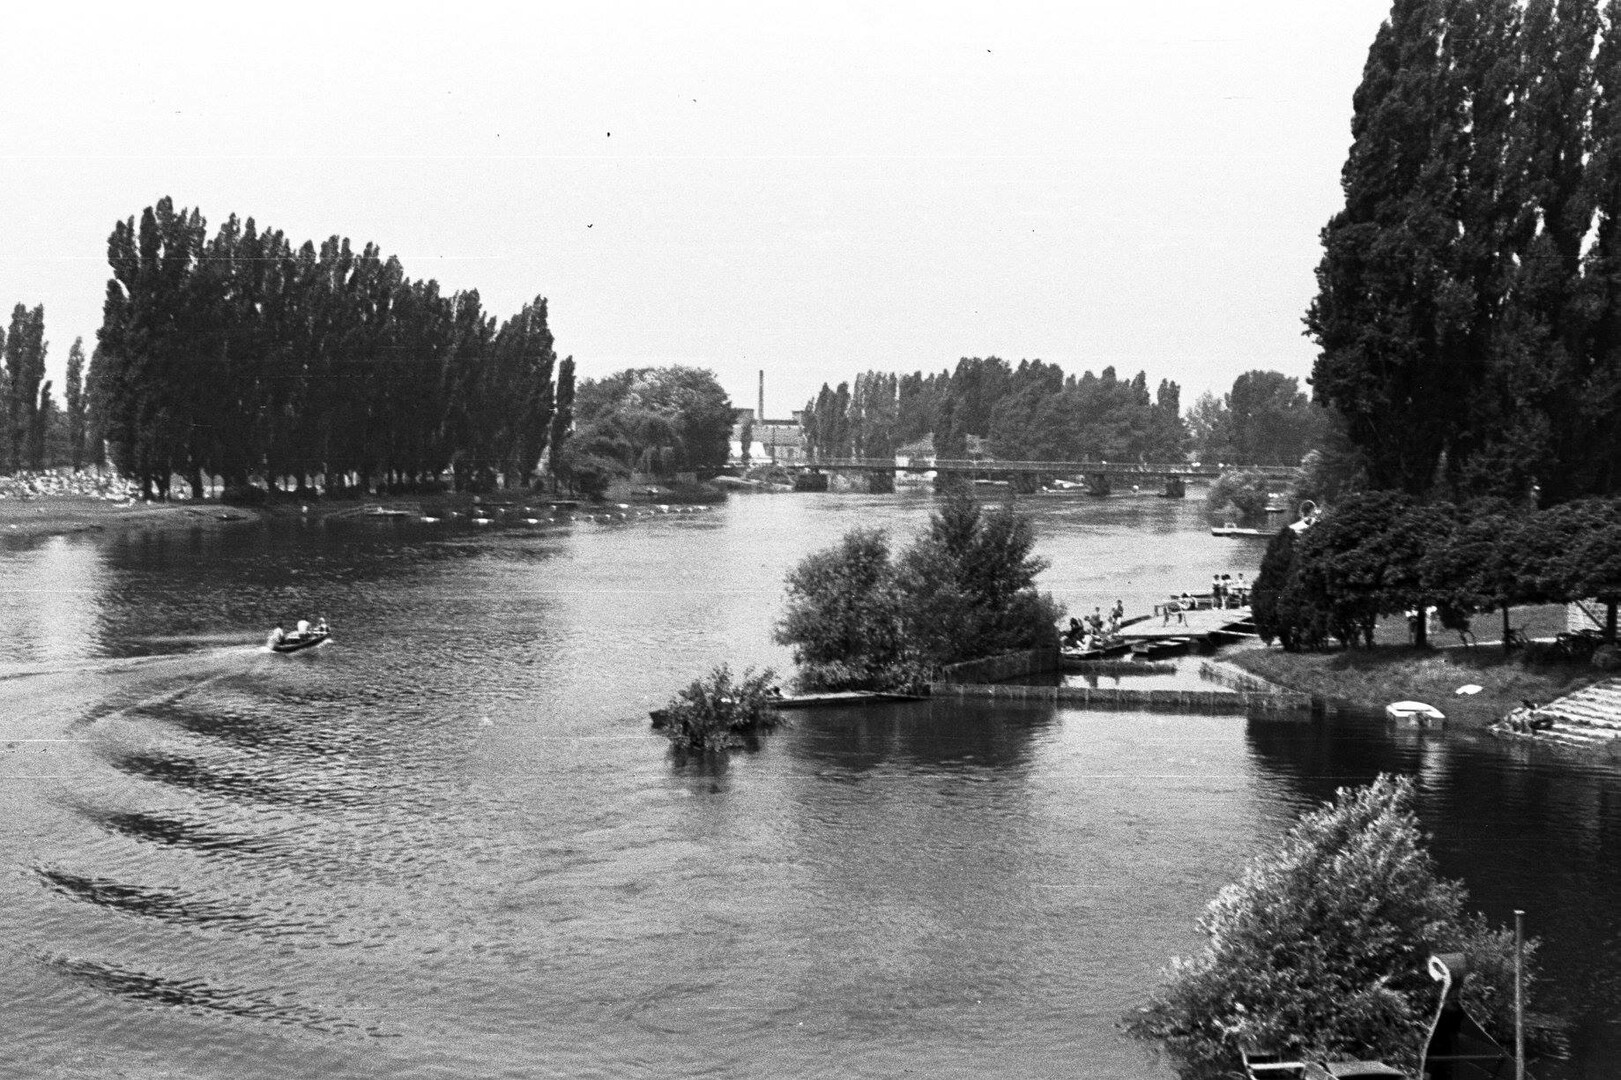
(1468, 314)
(24, 399)
(238, 356)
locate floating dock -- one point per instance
(1212, 625)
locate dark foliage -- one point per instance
(1319, 949)
(858, 619)
(719, 713)
(1469, 305)
(240, 357)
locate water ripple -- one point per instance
(201, 995)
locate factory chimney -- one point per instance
(761, 414)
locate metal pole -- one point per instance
(1519, 995)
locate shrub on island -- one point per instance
(859, 618)
(718, 713)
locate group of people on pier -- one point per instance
(1095, 628)
(1225, 592)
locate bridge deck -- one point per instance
(1054, 468)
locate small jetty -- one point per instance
(839, 697)
(1207, 625)
(832, 699)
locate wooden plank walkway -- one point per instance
(1189, 624)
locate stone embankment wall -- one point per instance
(1109, 697)
(993, 669)
(981, 679)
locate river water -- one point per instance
(446, 844)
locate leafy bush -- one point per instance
(716, 714)
(1239, 494)
(861, 620)
(1319, 949)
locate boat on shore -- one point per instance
(1230, 529)
(1106, 651)
(1456, 1045)
(1153, 648)
(1415, 712)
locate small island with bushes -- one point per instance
(861, 618)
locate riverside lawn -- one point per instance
(1394, 670)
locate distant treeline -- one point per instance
(1033, 412)
(239, 356)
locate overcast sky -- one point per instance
(811, 190)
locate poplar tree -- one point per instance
(562, 418)
(1592, 422)
(5, 398)
(39, 424)
(75, 399)
(1538, 355)
(1392, 317)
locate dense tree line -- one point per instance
(1265, 419)
(241, 356)
(1385, 553)
(1032, 412)
(1469, 304)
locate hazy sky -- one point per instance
(812, 190)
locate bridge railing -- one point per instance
(1060, 468)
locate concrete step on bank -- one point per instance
(1575, 713)
(1587, 719)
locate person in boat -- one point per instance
(1074, 633)
(321, 627)
(277, 636)
(303, 630)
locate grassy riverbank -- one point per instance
(57, 515)
(1375, 677)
